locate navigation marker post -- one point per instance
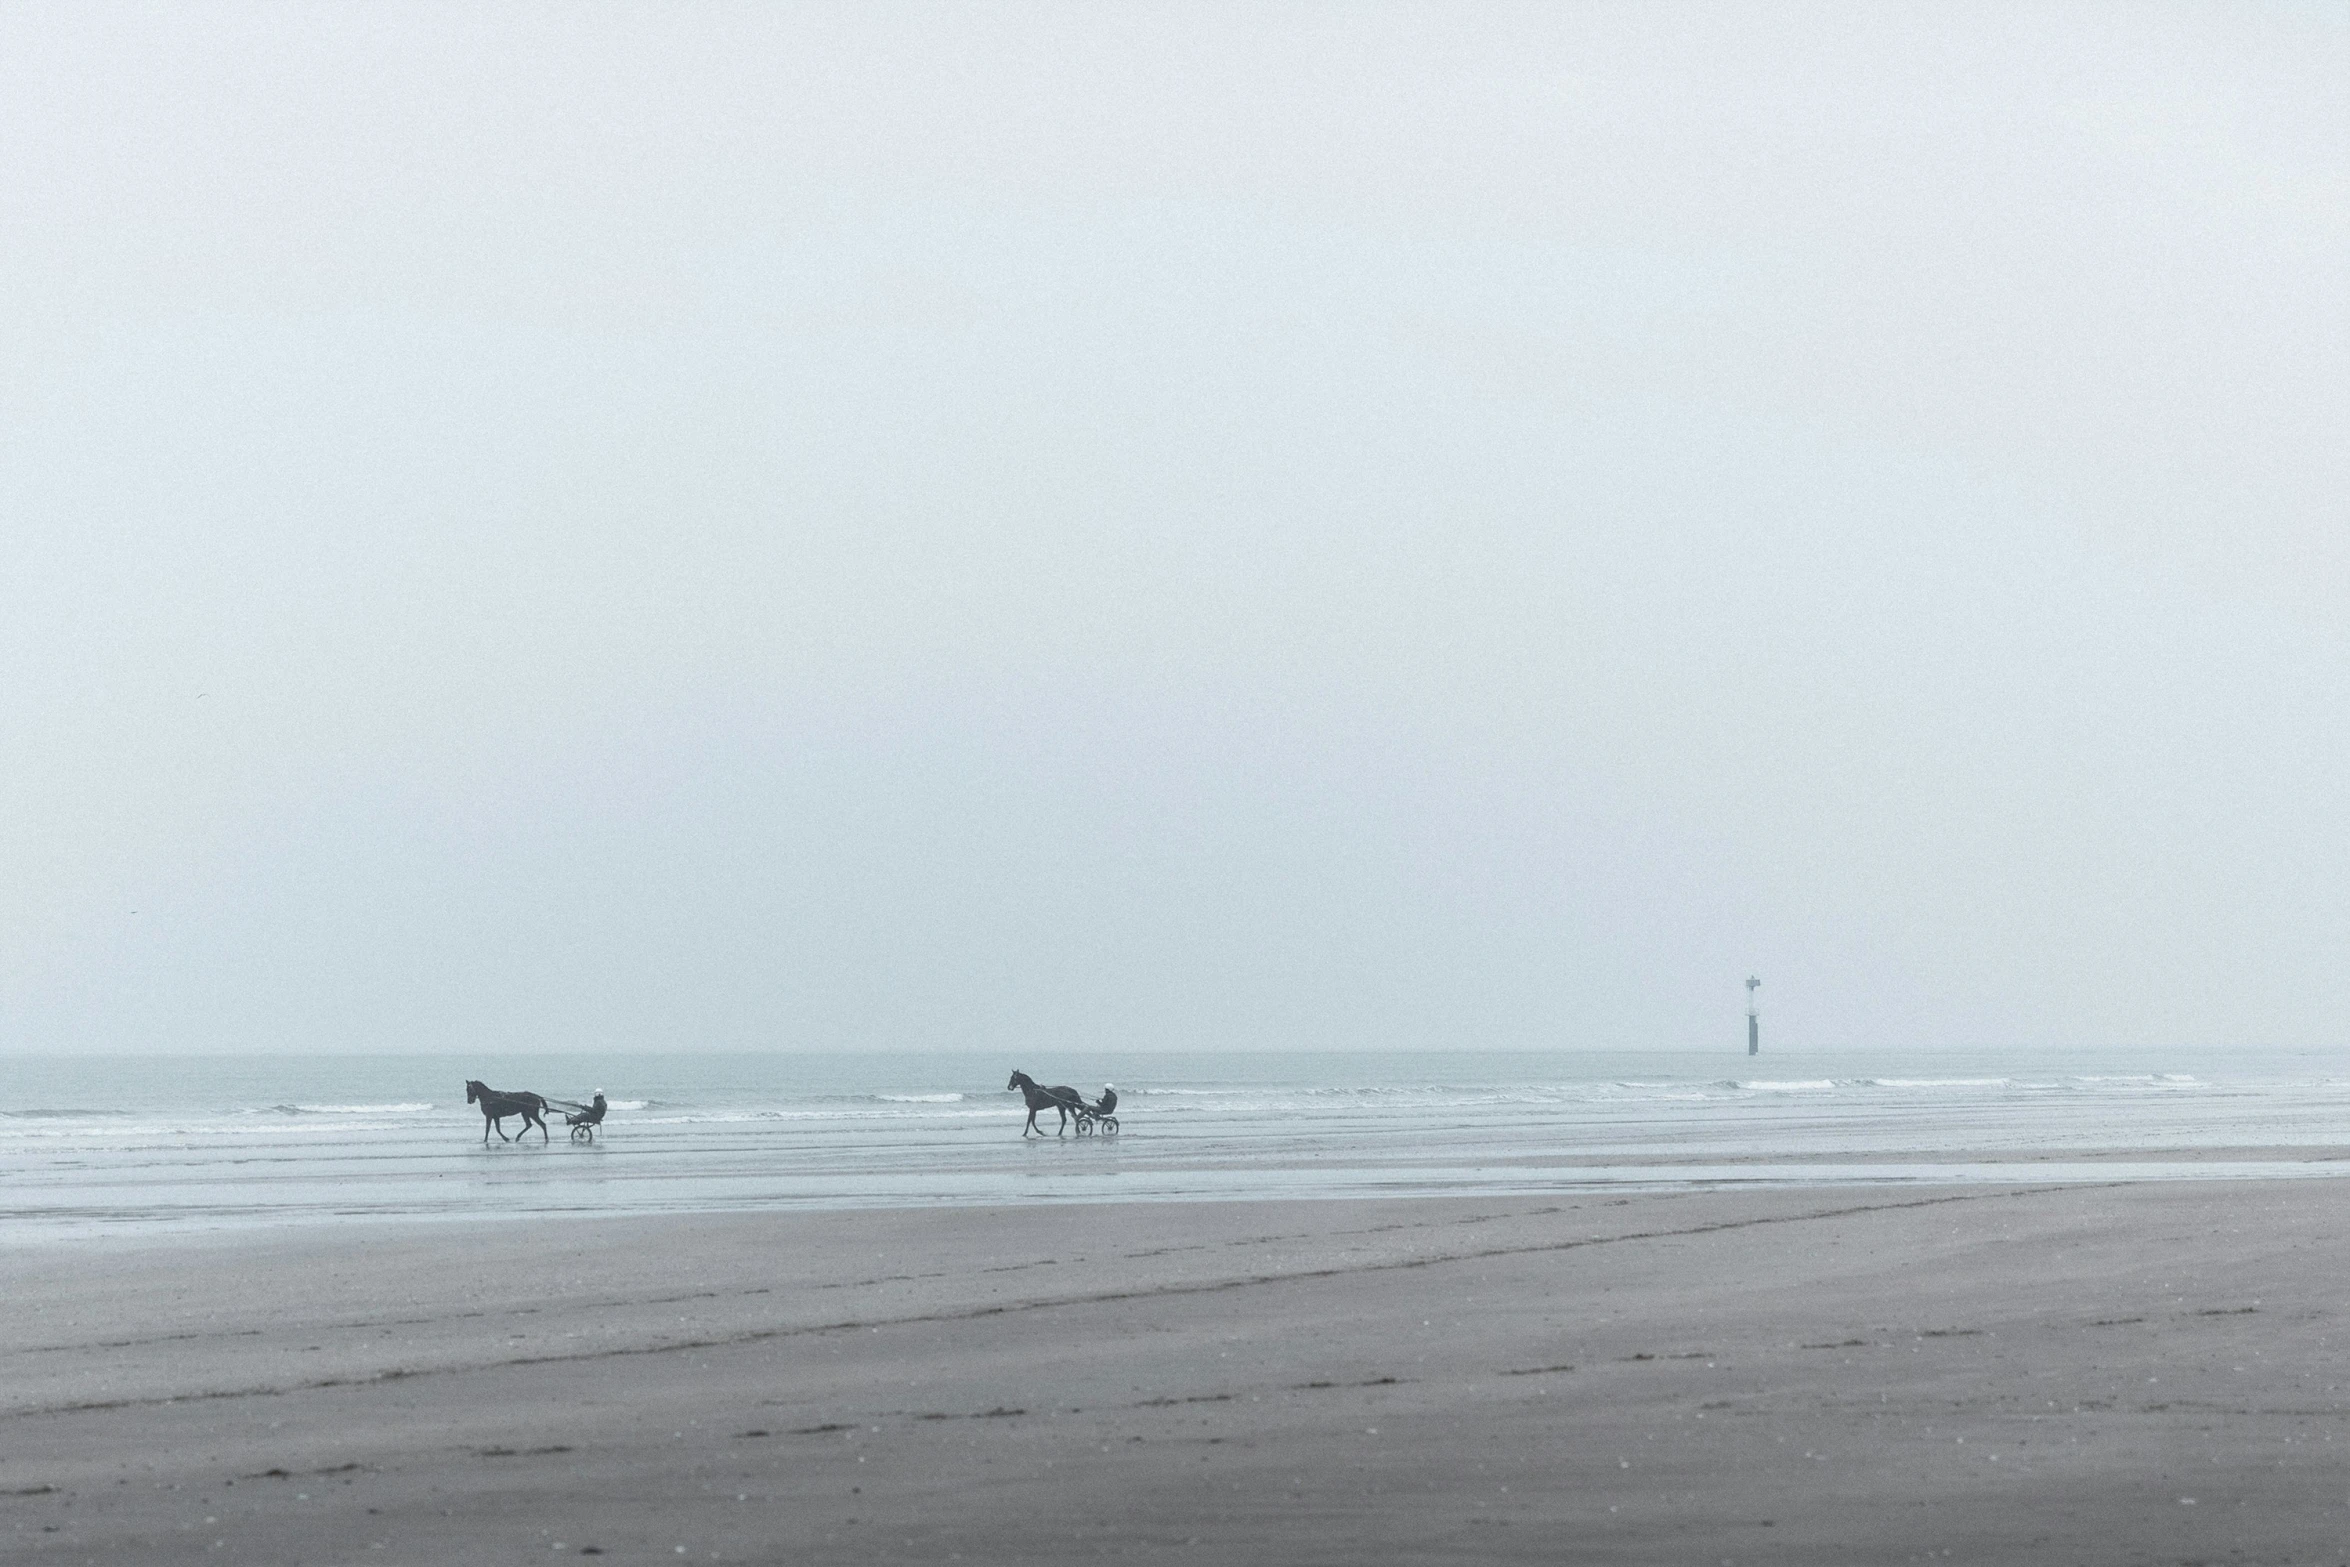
(1753, 1022)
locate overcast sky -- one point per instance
(1093, 527)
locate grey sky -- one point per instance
(1091, 526)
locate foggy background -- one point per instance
(1131, 527)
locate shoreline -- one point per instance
(1791, 1374)
(1503, 1173)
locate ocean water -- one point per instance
(117, 1145)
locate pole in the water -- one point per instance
(1753, 1022)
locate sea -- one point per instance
(96, 1147)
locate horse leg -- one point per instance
(542, 1121)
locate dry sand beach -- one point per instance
(2130, 1373)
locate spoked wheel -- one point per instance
(1085, 1126)
(583, 1134)
(1109, 1125)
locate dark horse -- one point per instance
(1064, 1100)
(495, 1107)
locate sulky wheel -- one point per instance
(1110, 1125)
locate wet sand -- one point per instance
(2133, 1373)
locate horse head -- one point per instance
(474, 1090)
(1019, 1078)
